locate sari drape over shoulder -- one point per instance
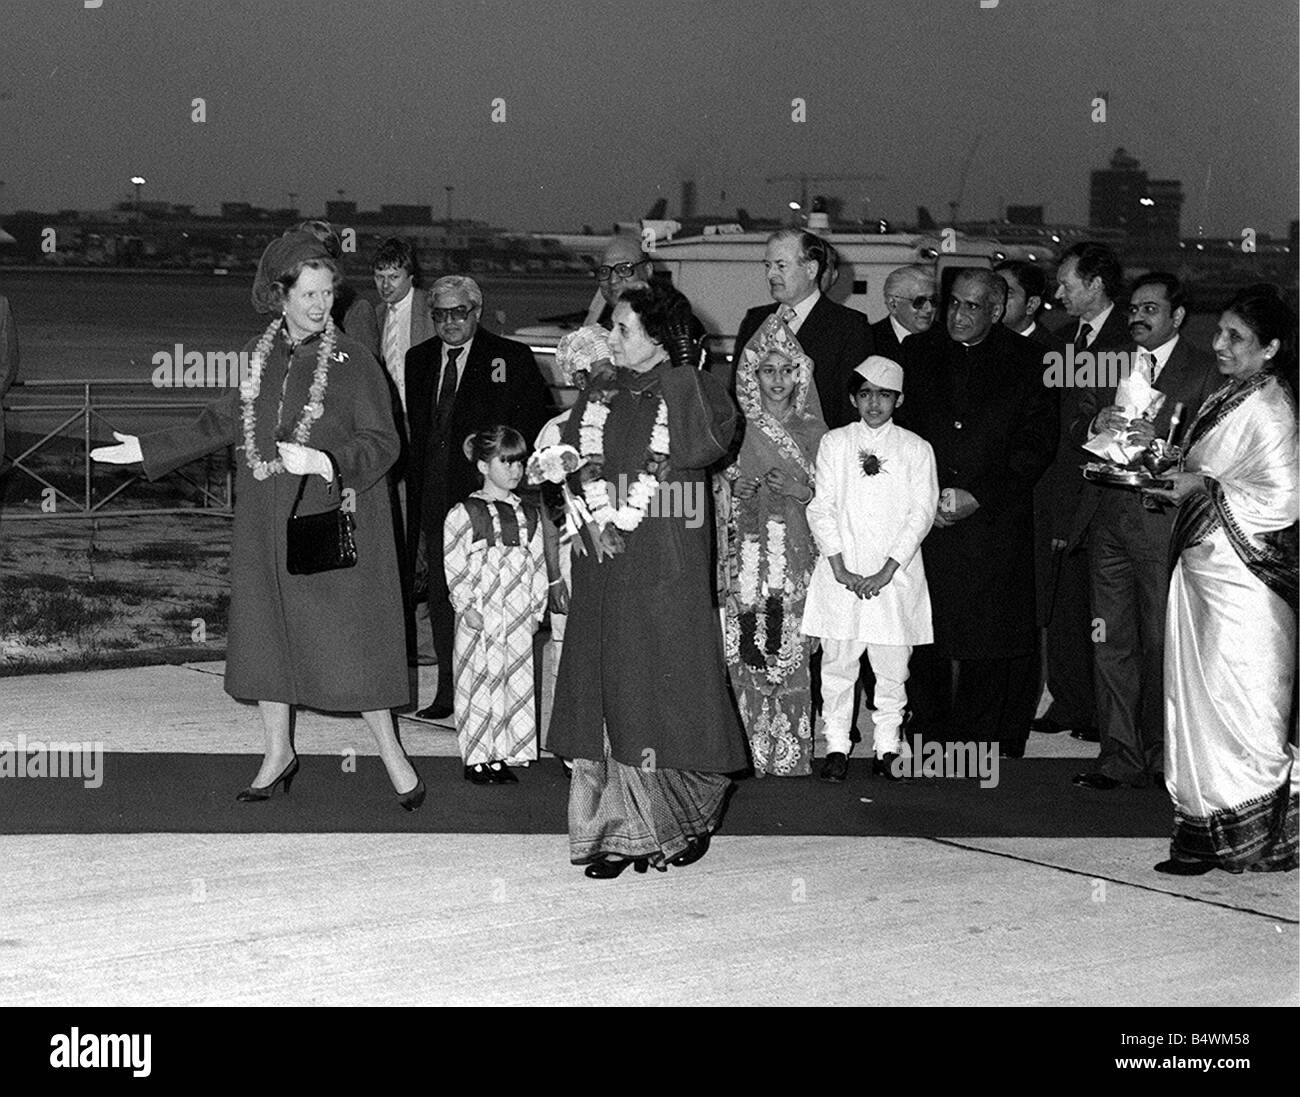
(1230, 657)
(770, 557)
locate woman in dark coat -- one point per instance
(642, 703)
(333, 640)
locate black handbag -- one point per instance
(320, 542)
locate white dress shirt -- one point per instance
(395, 340)
(801, 310)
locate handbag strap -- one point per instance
(302, 486)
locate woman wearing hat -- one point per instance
(312, 403)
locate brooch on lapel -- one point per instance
(871, 464)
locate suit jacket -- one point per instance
(1187, 378)
(836, 338)
(1113, 335)
(993, 425)
(500, 384)
(882, 333)
(8, 361)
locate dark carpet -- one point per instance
(195, 793)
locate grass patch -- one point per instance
(44, 615)
(184, 553)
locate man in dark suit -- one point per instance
(911, 297)
(462, 380)
(976, 394)
(1064, 612)
(835, 337)
(1128, 544)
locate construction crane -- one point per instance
(804, 179)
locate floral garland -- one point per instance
(613, 523)
(764, 637)
(251, 385)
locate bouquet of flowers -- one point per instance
(552, 465)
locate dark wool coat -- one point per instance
(333, 640)
(643, 645)
(994, 427)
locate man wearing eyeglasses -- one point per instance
(463, 379)
(975, 393)
(911, 298)
(1128, 545)
(623, 265)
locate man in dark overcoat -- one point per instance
(976, 395)
(462, 380)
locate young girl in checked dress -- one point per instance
(496, 574)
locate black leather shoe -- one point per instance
(439, 710)
(692, 853)
(1086, 735)
(255, 794)
(1184, 868)
(499, 774)
(412, 800)
(884, 767)
(836, 767)
(1045, 725)
(479, 774)
(1096, 781)
(611, 867)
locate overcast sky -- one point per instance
(608, 105)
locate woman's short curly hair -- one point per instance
(660, 308)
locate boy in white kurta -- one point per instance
(875, 500)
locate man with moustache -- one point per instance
(912, 299)
(463, 379)
(976, 394)
(403, 309)
(1128, 544)
(835, 337)
(1064, 613)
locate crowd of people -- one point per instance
(894, 516)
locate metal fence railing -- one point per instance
(81, 412)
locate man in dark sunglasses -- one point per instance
(912, 300)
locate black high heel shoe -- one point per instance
(611, 867)
(411, 801)
(499, 774)
(692, 853)
(255, 794)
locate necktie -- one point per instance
(1081, 340)
(1147, 367)
(392, 340)
(788, 314)
(447, 389)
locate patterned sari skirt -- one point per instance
(625, 811)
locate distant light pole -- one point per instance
(139, 181)
(449, 190)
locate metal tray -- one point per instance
(1117, 477)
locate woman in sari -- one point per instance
(771, 549)
(1230, 656)
(642, 704)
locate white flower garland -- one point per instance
(776, 563)
(748, 578)
(311, 411)
(591, 443)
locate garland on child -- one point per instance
(766, 636)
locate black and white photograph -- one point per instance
(651, 505)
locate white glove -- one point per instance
(127, 453)
(304, 461)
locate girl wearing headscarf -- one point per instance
(770, 549)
